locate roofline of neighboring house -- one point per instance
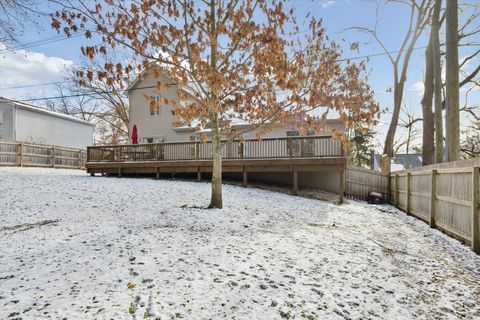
(29, 107)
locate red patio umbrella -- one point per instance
(134, 134)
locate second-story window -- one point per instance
(157, 100)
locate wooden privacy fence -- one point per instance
(25, 154)
(447, 199)
(359, 182)
(285, 147)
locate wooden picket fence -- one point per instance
(26, 154)
(444, 195)
(445, 198)
(360, 181)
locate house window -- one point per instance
(157, 100)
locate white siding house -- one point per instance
(23, 122)
(157, 126)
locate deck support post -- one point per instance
(433, 202)
(475, 242)
(295, 182)
(157, 174)
(119, 172)
(92, 174)
(341, 193)
(199, 176)
(245, 179)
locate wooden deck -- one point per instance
(275, 155)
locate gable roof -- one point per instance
(29, 107)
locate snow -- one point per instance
(74, 246)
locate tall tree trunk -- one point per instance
(427, 114)
(452, 82)
(216, 200)
(397, 103)
(437, 71)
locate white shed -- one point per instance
(23, 122)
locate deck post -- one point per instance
(433, 195)
(475, 242)
(199, 176)
(244, 181)
(295, 182)
(119, 172)
(157, 174)
(53, 157)
(341, 193)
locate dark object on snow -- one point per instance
(375, 198)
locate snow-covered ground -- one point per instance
(80, 247)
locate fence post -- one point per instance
(53, 157)
(475, 212)
(396, 191)
(433, 195)
(409, 179)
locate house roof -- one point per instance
(29, 107)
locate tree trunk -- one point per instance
(452, 82)
(427, 115)
(437, 71)
(216, 200)
(397, 102)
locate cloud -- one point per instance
(22, 68)
(418, 87)
(328, 3)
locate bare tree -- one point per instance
(420, 12)
(452, 82)
(411, 133)
(437, 81)
(428, 149)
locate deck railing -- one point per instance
(285, 147)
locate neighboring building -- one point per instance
(399, 162)
(157, 126)
(23, 122)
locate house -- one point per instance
(399, 162)
(157, 126)
(23, 122)
(281, 157)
